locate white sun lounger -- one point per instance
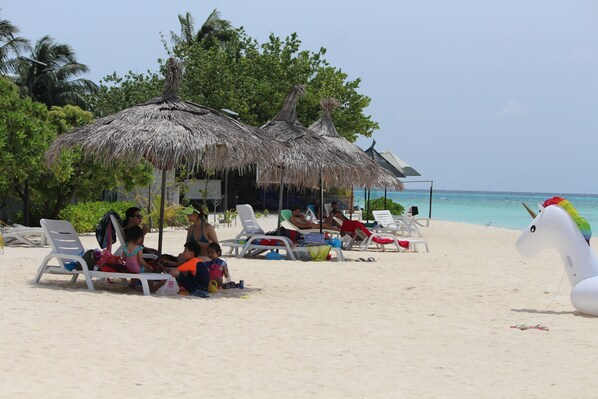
(23, 235)
(246, 243)
(120, 237)
(67, 247)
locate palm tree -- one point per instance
(48, 76)
(213, 31)
(10, 46)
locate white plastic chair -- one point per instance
(23, 235)
(67, 247)
(120, 237)
(404, 225)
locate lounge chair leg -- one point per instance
(42, 269)
(145, 285)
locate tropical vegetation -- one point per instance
(43, 93)
(11, 46)
(51, 73)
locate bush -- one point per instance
(172, 216)
(378, 205)
(84, 216)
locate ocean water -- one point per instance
(501, 209)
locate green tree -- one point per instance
(116, 93)
(249, 78)
(212, 32)
(75, 177)
(27, 128)
(252, 79)
(52, 77)
(24, 136)
(10, 46)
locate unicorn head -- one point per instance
(559, 226)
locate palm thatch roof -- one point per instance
(308, 153)
(363, 170)
(167, 131)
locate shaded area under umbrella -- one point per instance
(362, 164)
(310, 161)
(167, 132)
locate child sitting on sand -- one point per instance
(193, 274)
(216, 265)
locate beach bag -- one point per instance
(292, 234)
(90, 257)
(111, 263)
(319, 253)
(170, 287)
(314, 239)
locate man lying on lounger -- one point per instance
(298, 219)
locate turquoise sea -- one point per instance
(501, 209)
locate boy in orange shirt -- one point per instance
(193, 275)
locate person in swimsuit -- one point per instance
(200, 230)
(134, 218)
(133, 257)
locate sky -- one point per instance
(475, 95)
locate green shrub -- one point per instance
(378, 204)
(84, 216)
(172, 215)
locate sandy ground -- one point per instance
(432, 324)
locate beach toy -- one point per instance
(213, 287)
(559, 226)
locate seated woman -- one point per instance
(200, 230)
(134, 218)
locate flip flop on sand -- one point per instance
(371, 259)
(360, 260)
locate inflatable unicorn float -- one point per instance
(559, 226)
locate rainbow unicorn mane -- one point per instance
(581, 223)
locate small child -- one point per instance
(133, 251)
(193, 274)
(216, 265)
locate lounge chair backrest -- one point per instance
(383, 217)
(286, 215)
(62, 237)
(120, 235)
(248, 220)
(310, 213)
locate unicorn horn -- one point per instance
(531, 213)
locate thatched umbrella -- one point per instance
(307, 155)
(362, 164)
(167, 132)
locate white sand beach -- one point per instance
(411, 325)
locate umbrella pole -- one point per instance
(321, 202)
(384, 198)
(365, 201)
(367, 214)
(280, 200)
(352, 205)
(162, 200)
